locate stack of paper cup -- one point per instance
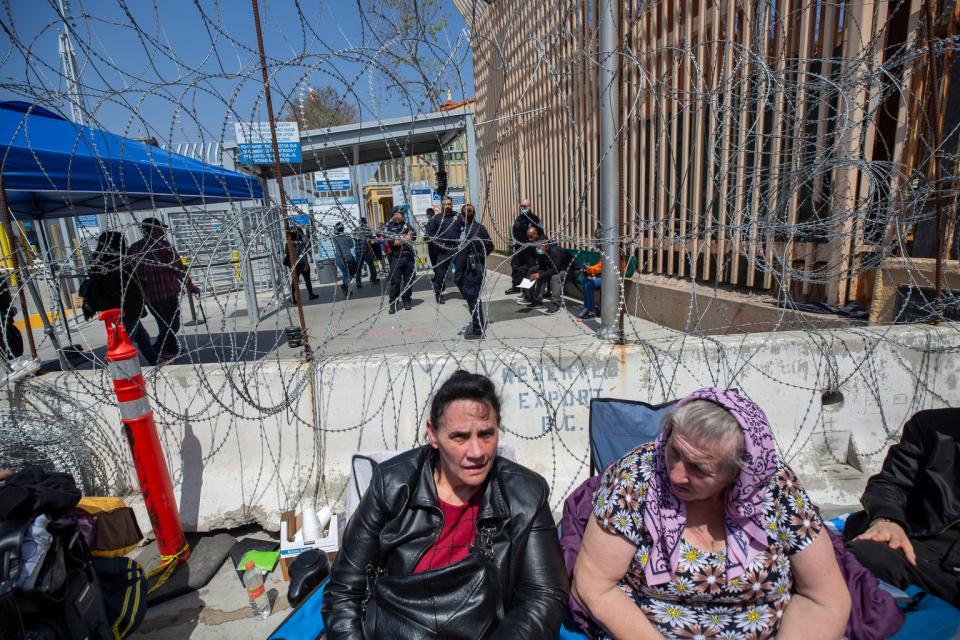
(311, 525)
(324, 518)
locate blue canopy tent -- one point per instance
(53, 168)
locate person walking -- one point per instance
(400, 237)
(364, 253)
(301, 249)
(112, 284)
(343, 255)
(471, 267)
(162, 275)
(443, 233)
(523, 254)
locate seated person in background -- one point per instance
(450, 537)
(590, 281)
(550, 269)
(706, 532)
(909, 530)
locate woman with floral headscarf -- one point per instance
(706, 533)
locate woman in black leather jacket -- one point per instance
(450, 541)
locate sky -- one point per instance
(185, 70)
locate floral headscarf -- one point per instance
(665, 515)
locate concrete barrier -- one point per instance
(245, 441)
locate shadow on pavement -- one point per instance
(208, 348)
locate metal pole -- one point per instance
(933, 146)
(249, 283)
(78, 102)
(355, 178)
(54, 279)
(473, 165)
(609, 171)
(279, 177)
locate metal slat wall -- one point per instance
(748, 131)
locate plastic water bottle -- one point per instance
(253, 581)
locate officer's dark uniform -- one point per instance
(523, 257)
(363, 237)
(443, 232)
(403, 259)
(471, 261)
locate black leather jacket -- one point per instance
(919, 483)
(399, 518)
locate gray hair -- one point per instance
(704, 422)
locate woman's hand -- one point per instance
(604, 559)
(820, 605)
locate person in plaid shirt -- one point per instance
(161, 274)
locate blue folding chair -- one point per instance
(932, 619)
(306, 621)
(617, 426)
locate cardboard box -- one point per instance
(292, 545)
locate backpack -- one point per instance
(124, 586)
(89, 290)
(66, 603)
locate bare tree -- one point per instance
(407, 32)
(321, 108)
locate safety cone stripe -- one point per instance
(130, 389)
(124, 369)
(133, 409)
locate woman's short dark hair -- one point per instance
(463, 385)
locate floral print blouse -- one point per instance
(699, 601)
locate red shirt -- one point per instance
(458, 533)
(158, 268)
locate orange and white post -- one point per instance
(141, 431)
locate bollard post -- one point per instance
(141, 433)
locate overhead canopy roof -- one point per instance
(54, 168)
(375, 141)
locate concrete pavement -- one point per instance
(354, 325)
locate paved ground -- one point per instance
(218, 611)
(358, 325)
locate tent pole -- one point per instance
(54, 281)
(15, 259)
(34, 293)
